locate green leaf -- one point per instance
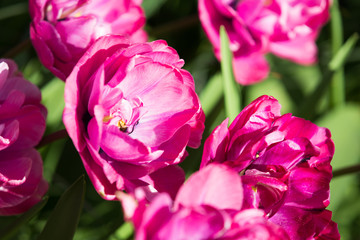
(337, 86)
(63, 221)
(231, 88)
(125, 231)
(211, 94)
(151, 6)
(51, 158)
(53, 99)
(341, 55)
(9, 230)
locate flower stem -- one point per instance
(17, 49)
(231, 88)
(337, 86)
(52, 137)
(347, 170)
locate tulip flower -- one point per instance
(61, 31)
(285, 166)
(22, 125)
(131, 111)
(287, 29)
(207, 206)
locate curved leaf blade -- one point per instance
(63, 221)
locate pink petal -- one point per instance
(120, 146)
(300, 50)
(216, 144)
(168, 179)
(215, 185)
(250, 69)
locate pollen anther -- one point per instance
(122, 125)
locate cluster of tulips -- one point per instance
(131, 111)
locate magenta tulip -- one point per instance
(287, 29)
(284, 162)
(61, 31)
(207, 206)
(131, 111)
(22, 124)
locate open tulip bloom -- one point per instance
(208, 206)
(287, 29)
(131, 111)
(265, 177)
(284, 163)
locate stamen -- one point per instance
(122, 125)
(106, 119)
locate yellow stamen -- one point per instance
(122, 125)
(106, 119)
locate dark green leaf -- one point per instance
(9, 230)
(63, 221)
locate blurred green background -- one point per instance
(302, 90)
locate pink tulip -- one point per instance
(207, 206)
(61, 31)
(284, 162)
(131, 111)
(287, 29)
(22, 124)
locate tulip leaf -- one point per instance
(231, 88)
(341, 55)
(151, 6)
(52, 156)
(53, 99)
(63, 221)
(337, 86)
(9, 230)
(211, 94)
(125, 231)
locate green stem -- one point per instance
(17, 49)
(337, 86)
(347, 170)
(231, 88)
(52, 138)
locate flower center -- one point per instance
(125, 115)
(60, 11)
(122, 126)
